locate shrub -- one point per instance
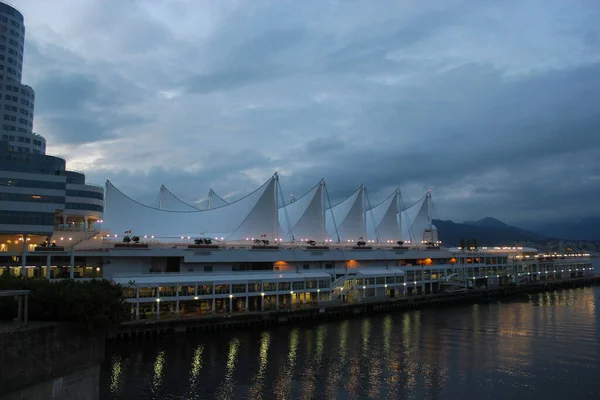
(94, 305)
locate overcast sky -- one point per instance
(493, 105)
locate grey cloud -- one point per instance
(315, 92)
(228, 79)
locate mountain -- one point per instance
(580, 229)
(488, 222)
(488, 232)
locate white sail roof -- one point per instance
(304, 219)
(215, 201)
(168, 201)
(383, 220)
(349, 217)
(252, 216)
(416, 220)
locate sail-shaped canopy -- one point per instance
(168, 201)
(416, 220)
(349, 217)
(215, 201)
(304, 219)
(383, 223)
(252, 216)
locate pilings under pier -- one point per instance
(139, 330)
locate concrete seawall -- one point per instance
(49, 361)
(155, 329)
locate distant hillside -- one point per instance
(582, 229)
(488, 222)
(488, 232)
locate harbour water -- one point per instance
(543, 346)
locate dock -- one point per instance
(140, 330)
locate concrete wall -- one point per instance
(51, 360)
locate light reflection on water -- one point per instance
(545, 345)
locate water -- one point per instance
(543, 346)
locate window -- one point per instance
(208, 268)
(311, 284)
(328, 266)
(298, 285)
(84, 206)
(238, 288)
(305, 266)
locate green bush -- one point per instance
(94, 305)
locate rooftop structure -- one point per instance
(261, 215)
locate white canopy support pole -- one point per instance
(370, 213)
(285, 211)
(332, 214)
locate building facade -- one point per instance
(38, 195)
(17, 101)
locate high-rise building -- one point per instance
(16, 99)
(38, 195)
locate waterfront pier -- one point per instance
(152, 329)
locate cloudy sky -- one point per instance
(493, 105)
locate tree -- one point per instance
(135, 239)
(400, 242)
(360, 243)
(126, 239)
(463, 243)
(475, 244)
(311, 242)
(95, 305)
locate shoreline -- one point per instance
(143, 330)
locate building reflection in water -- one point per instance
(226, 390)
(116, 371)
(496, 349)
(283, 381)
(390, 357)
(338, 362)
(195, 381)
(310, 376)
(258, 381)
(158, 365)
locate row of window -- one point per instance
(11, 51)
(26, 218)
(22, 139)
(12, 42)
(86, 194)
(16, 89)
(13, 118)
(9, 60)
(6, 9)
(7, 127)
(30, 183)
(83, 206)
(11, 108)
(32, 198)
(23, 149)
